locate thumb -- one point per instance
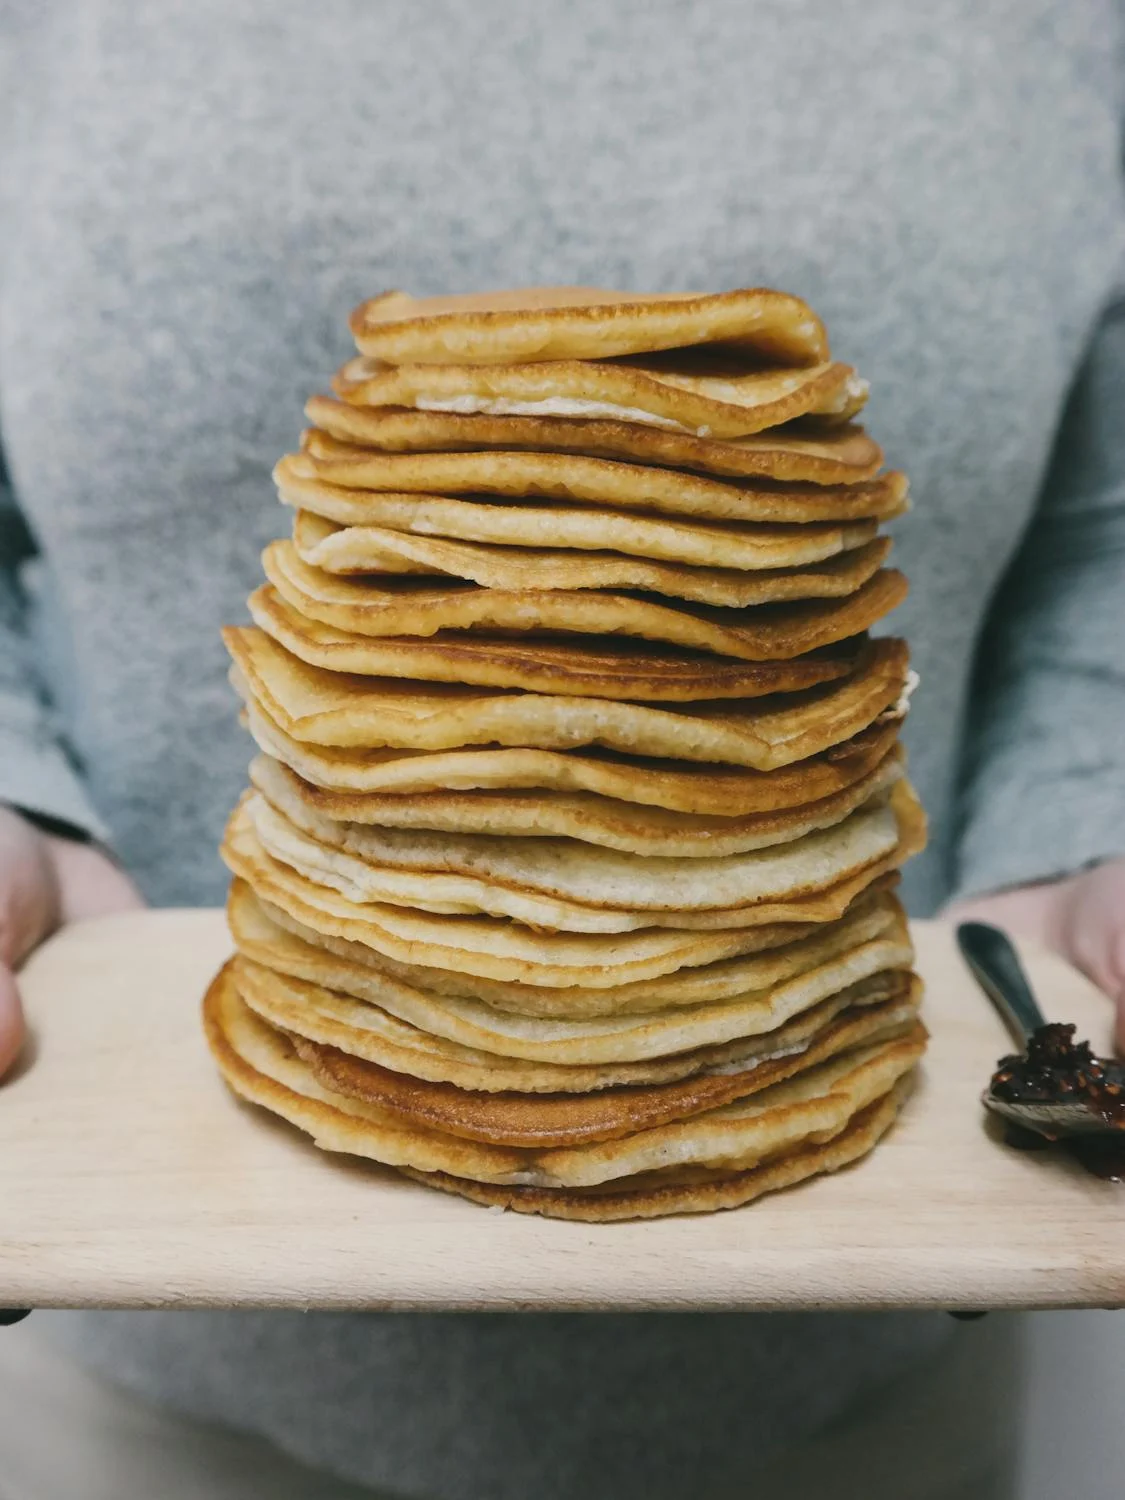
(11, 1020)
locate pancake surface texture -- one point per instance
(697, 391)
(583, 322)
(565, 877)
(627, 478)
(401, 607)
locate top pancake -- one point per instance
(705, 395)
(549, 323)
(845, 455)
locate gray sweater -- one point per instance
(192, 196)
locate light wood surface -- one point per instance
(129, 1177)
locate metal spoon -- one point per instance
(990, 955)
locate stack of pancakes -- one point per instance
(566, 876)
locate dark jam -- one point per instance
(1058, 1070)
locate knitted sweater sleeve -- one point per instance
(38, 774)
(1043, 781)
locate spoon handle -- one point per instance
(990, 955)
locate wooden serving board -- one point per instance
(129, 1177)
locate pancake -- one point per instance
(576, 871)
(333, 708)
(566, 322)
(584, 816)
(495, 950)
(589, 667)
(511, 1118)
(565, 879)
(580, 887)
(310, 1013)
(689, 391)
(843, 455)
(514, 520)
(611, 482)
(372, 549)
(500, 949)
(261, 1065)
(276, 940)
(395, 607)
(293, 985)
(817, 1104)
(314, 1018)
(478, 784)
(344, 1005)
(345, 995)
(686, 1191)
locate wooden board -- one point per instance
(129, 1177)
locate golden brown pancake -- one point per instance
(359, 550)
(592, 819)
(497, 950)
(282, 980)
(610, 484)
(686, 1191)
(327, 708)
(412, 609)
(571, 870)
(482, 784)
(344, 1005)
(845, 455)
(691, 391)
(276, 940)
(535, 1120)
(261, 1066)
(579, 887)
(365, 1029)
(589, 667)
(515, 520)
(378, 1035)
(566, 322)
(506, 950)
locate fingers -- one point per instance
(89, 883)
(29, 892)
(11, 1020)
(1118, 963)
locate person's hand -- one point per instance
(1082, 918)
(45, 882)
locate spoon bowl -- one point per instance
(1056, 1088)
